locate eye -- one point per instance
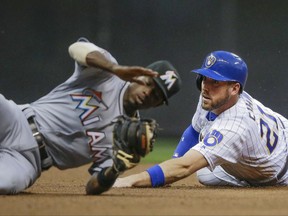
(148, 82)
(145, 80)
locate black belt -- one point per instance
(46, 160)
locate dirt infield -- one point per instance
(63, 193)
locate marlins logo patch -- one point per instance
(169, 78)
(210, 60)
(213, 138)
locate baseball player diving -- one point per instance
(90, 118)
(233, 140)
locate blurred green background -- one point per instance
(163, 149)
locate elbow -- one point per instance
(79, 51)
(71, 49)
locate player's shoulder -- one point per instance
(244, 111)
(239, 114)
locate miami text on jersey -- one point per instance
(89, 101)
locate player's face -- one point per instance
(144, 96)
(218, 96)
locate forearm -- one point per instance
(88, 54)
(97, 59)
(165, 173)
(179, 168)
(176, 171)
(170, 173)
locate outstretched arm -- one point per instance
(165, 173)
(89, 54)
(132, 139)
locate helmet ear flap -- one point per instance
(199, 79)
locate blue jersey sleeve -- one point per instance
(189, 139)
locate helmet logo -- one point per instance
(169, 78)
(210, 60)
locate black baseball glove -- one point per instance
(133, 138)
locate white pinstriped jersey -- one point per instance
(75, 117)
(249, 140)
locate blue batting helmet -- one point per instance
(224, 66)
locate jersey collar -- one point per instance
(211, 116)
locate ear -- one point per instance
(235, 88)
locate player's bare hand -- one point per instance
(131, 73)
(122, 183)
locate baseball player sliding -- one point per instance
(234, 140)
(90, 118)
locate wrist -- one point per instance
(107, 177)
(157, 176)
(101, 181)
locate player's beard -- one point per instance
(216, 104)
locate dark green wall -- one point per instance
(35, 35)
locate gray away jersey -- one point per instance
(249, 140)
(75, 118)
